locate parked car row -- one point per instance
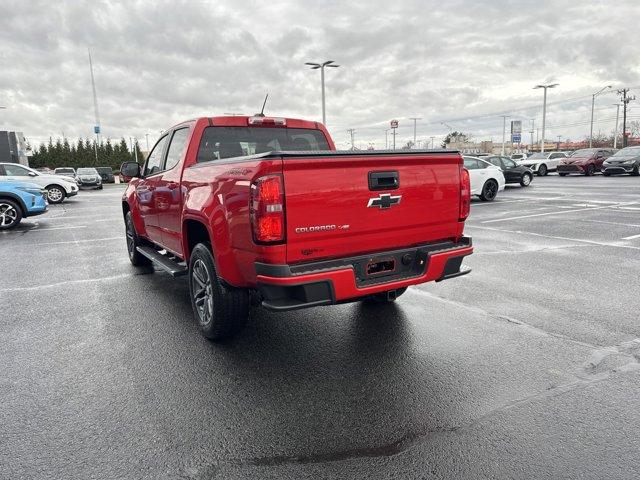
(106, 173)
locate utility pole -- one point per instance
(386, 138)
(351, 131)
(615, 132)
(593, 101)
(558, 144)
(544, 109)
(394, 138)
(625, 101)
(504, 129)
(533, 123)
(432, 138)
(415, 119)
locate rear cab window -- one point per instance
(218, 143)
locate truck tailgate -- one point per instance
(345, 203)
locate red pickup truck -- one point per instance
(259, 209)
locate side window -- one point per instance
(470, 164)
(16, 171)
(508, 163)
(176, 147)
(495, 161)
(154, 160)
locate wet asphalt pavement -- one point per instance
(527, 367)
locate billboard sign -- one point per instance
(516, 127)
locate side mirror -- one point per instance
(130, 169)
(31, 174)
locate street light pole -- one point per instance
(415, 119)
(593, 101)
(386, 138)
(504, 129)
(316, 66)
(432, 142)
(544, 109)
(615, 132)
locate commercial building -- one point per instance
(13, 148)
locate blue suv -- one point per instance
(19, 200)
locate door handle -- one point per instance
(384, 180)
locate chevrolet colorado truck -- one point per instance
(265, 210)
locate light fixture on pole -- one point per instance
(504, 129)
(415, 119)
(544, 109)
(615, 132)
(316, 66)
(593, 101)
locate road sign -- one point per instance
(516, 138)
(394, 123)
(96, 129)
(516, 127)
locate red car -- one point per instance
(257, 208)
(586, 161)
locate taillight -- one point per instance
(465, 193)
(267, 209)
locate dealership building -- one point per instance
(13, 148)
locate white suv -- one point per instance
(57, 186)
(543, 163)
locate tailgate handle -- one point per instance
(384, 180)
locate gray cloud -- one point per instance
(157, 63)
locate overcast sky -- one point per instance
(459, 62)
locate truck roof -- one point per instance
(243, 121)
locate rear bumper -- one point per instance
(286, 287)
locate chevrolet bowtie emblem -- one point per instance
(384, 201)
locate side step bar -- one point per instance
(170, 266)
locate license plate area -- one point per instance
(390, 267)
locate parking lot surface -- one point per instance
(527, 367)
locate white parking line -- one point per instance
(631, 237)
(37, 229)
(556, 237)
(69, 282)
(92, 240)
(591, 209)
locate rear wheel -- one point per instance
(10, 214)
(221, 310)
(636, 171)
(133, 241)
(55, 194)
(525, 181)
(385, 297)
(543, 170)
(489, 191)
(590, 170)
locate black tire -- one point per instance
(543, 170)
(563, 174)
(636, 171)
(133, 241)
(221, 311)
(55, 194)
(591, 169)
(384, 297)
(100, 187)
(489, 191)
(606, 174)
(526, 179)
(10, 214)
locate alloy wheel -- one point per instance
(131, 241)
(8, 215)
(490, 190)
(526, 179)
(202, 292)
(54, 194)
